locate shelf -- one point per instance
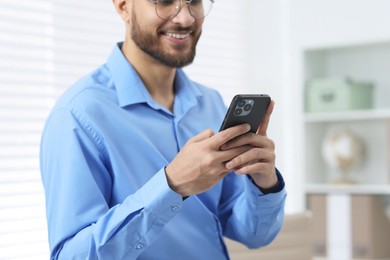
(354, 115)
(348, 189)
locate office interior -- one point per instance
(325, 63)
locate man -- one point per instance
(131, 161)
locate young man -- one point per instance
(131, 161)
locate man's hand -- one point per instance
(201, 163)
(259, 161)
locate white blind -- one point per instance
(46, 45)
(24, 80)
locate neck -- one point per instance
(157, 78)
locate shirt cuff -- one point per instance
(275, 189)
(159, 199)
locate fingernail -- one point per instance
(248, 127)
(229, 165)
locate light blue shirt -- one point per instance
(103, 153)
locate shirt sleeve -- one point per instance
(249, 216)
(77, 183)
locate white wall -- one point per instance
(333, 22)
(269, 56)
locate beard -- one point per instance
(150, 45)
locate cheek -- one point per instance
(146, 14)
(199, 24)
(149, 26)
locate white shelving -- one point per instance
(360, 189)
(372, 126)
(354, 115)
(372, 176)
(332, 40)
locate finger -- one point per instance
(262, 130)
(250, 139)
(228, 134)
(259, 167)
(201, 136)
(238, 169)
(253, 155)
(229, 155)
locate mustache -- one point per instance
(177, 28)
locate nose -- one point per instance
(184, 16)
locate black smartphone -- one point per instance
(248, 109)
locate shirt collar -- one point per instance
(131, 90)
(129, 86)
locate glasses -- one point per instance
(167, 9)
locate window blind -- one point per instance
(24, 78)
(45, 46)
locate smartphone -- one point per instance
(248, 109)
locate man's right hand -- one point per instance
(200, 164)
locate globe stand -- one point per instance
(344, 179)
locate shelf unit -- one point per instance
(372, 176)
(329, 39)
(360, 62)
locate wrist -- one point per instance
(264, 182)
(277, 187)
(173, 186)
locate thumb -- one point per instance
(262, 130)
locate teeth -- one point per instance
(178, 36)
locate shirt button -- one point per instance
(140, 246)
(174, 208)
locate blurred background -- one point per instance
(326, 63)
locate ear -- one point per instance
(122, 7)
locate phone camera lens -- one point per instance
(238, 111)
(248, 107)
(241, 103)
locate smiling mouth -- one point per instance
(178, 35)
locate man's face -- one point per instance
(172, 42)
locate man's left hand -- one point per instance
(259, 158)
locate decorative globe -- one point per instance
(343, 150)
